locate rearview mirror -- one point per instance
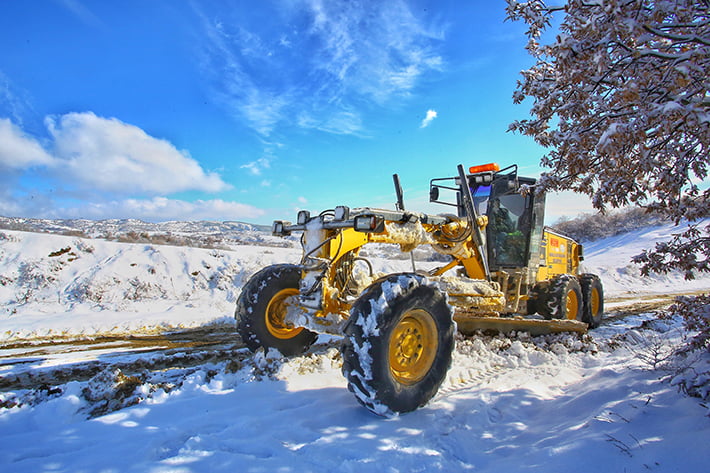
(433, 193)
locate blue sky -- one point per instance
(250, 110)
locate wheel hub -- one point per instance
(572, 305)
(275, 313)
(596, 301)
(413, 346)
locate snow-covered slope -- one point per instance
(610, 258)
(545, 404)
(55, 284)
(63, 285)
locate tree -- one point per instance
(621, 100)
(627, 83)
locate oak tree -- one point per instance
(621, 99)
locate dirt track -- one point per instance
(32, 364)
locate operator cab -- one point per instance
(515, 218)
(510, 219)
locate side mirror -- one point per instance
(433, 194)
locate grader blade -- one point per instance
(468, 325)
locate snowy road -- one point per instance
(30, 364)
(545, 404)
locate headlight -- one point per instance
(342, 213)
(279, 228)
(369, 223)
(303, 217)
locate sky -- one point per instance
(250, 110)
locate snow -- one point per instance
(554, 403)
(610, 258)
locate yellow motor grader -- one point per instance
(505, 271)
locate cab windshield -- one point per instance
(508, 230)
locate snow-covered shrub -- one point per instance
(688, 364)
(594, 226)
(111, 390)
(696, 313)
(692, 374)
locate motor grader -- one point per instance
(503, 271)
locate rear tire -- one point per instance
(398, 344)
(561, 299)
(261, 308)
(593, 299)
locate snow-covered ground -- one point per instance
(554, 403)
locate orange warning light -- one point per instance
(484, 167)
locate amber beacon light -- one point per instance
(484, 168)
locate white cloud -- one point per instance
(257, 167)
(164, 209)
(218, 209)
(19, 151)
(342, 122)
(110, 155)
(100, 154)
(430, 116)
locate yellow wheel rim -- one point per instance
(572, 305)
(595, 301)
(412, 347)
(275, 313)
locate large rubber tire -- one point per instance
(561, 298)
(592, 299)
(261, 308)
(536, 296)
(398, 344)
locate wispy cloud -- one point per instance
(255, 168)
(318, 64)
(13, 102)
(227, 56)
(339, 122)
(430, 116)
(79, 10)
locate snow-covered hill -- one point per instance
(556, 403)
(610, 258)
(64, 285)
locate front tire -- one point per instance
(398, 344)
(261, 308)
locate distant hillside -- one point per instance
(200, 234)
(116, 226)
(594, 226)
